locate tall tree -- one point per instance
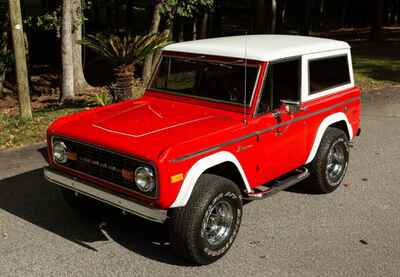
(5, 53)
(260, 17)
(204, 25)
(79, 76)
(273, 17)
(21, 68)
(321, 13)
(67, 83)
(343, 16)
(154, 28)
(306, 26)
(377, 10)
(281, 18)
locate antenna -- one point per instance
(245, 82)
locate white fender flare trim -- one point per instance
(328, 121)
(198, 168)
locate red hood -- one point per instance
(147, 127)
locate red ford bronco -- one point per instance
(223, 120)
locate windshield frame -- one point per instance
(208, 58)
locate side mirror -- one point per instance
(291, 106)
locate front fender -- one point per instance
(199, 168)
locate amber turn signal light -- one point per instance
(72, 156)
(176, 178)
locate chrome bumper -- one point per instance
(129, 206)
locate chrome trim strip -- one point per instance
(260, 132)
(129, 206)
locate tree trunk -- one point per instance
(260, 17)
(2, 79)
(20, 59)
(343, 14)
(306, 26)
(216, 22)
(154, 28)
(377, 9)
(280, 15)
(79, 76)
(321, 13)
(123, 87)
(194, 32)
(67, 86)
(168, 31)
(204, 26)
(181, 34)
(273, 16)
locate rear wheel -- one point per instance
(330, 164)
(204, 230)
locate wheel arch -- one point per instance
(337, 120)
(214, 164)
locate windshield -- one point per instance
(210, 80)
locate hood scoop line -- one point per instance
(153, 131)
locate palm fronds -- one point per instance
(124, 49)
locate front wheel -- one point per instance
(330, 164)
(204, 230)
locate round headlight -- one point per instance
(144, 178)
(60, 152)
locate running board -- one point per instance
(269, 189)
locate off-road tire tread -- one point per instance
(183, 221)
(317, 181)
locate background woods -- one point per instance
(60, 70)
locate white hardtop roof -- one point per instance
(259, 47)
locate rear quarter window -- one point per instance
(327, 73)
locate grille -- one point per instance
(102, 164)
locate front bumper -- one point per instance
(99, 194)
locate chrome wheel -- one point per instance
(337, 162)
(218, 222)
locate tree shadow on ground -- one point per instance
(30, 197)
(380, 72)
(378, 61)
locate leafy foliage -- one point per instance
(186, 8)
(52, 21)
(125, 49)
(6, 56)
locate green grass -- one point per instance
(16, 132)
(377, 66)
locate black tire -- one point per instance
(187, 225)
(83, 205)
(325, 163)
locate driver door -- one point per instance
(283, 133)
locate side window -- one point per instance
(328, 73)
(283, 82)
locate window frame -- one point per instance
(306, 94)
(265, 80)
(204, 58)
